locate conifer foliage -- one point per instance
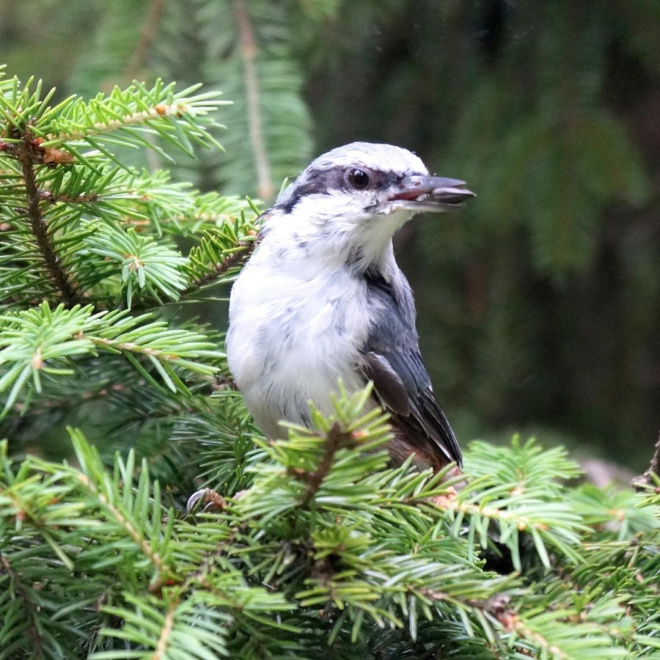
(311, 547)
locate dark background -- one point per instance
(539, 305)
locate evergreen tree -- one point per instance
(310, 547)
(541, 301)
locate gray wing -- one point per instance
(391, 359)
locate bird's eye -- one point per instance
(358, 179)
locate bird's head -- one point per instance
(353, 199)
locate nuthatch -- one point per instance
(322, 298)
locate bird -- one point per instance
(322, 299)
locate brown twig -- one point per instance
(244, 249)
(646, 479)
(336, 439)
(165, 633)
(48, 196)
(147, 36)
(26, 155)
(265, 188)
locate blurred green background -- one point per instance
(539, 305)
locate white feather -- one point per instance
(295, 328)
(299, 312)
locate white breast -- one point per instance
(295, 328)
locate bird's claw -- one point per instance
(211, 499)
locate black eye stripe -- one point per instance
(321, 181)
(325, 181)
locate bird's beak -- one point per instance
(429, 193)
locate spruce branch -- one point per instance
(517, 489)
(146, 38)
(248, 52)
(138, 514)
(529, 517)
(118, 331)
(222, 250)
(146, 266)
(29, 607)
(41, 341)
(166, 631)
(368, 565)
(125, 523)
(646, 480)
(129, 117)
(319, 549)
(171, 629)
(622, 511)
(25, 154)
(553, 632)
(276, 75)
(335, 439)
(234, 259)
(125, 117)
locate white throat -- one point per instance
(330, 236)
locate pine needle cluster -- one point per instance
(311, 547)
